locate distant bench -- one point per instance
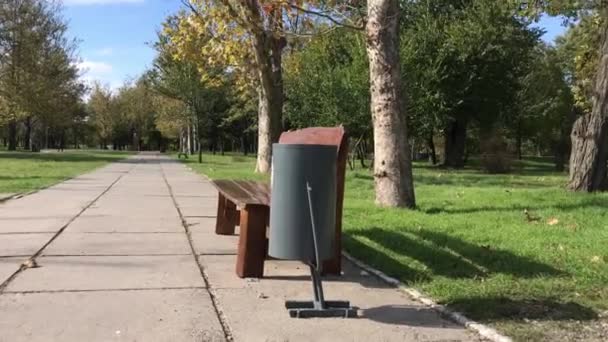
(247, 204)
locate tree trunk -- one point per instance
(560, 152)
(200, 151)
(562, 145)
(519, 140)
(589, 154)
(27, 140)
(12, 135)
(455, 143)
(589, 158)
(267, 50)
(393, 178)
(189, 140)
(432, 153)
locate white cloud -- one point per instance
(105, 52)
(99, 2)
(96, 68)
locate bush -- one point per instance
(495, 157)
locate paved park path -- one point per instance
(128, 253)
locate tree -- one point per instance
(335, 62)
(589, 157)
(392, 165)
(238, 31)
(544, 106)
(38, 78)
(103, 114)
(136, 104)
(464, 61)
(201, 89)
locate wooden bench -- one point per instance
(247, 204)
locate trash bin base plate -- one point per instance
(333, 308)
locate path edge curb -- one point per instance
(481, 329)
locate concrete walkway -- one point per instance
(128, 253)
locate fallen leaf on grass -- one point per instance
(552, 221)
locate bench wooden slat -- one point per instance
(244, 193)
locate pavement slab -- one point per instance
(8, 266)
(205, 244)
(125, 224)
(108, 273)
(32, 225)
(254, 317)
(142, 315)
(119, 244)
(385, 314)
(201, 224)
(22, 244)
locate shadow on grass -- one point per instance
(448, 256)
(501, 308)
(443, 255)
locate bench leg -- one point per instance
(252, 242)
(226, 216)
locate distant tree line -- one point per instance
(40, 94)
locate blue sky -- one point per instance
(113, 35)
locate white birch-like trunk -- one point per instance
(392, 163)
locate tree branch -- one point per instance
(328, 17)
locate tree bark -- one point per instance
(393, 178)
(455, 143)
(200, 151)
(589, 154)
(12, 135)
(28, 134)
(519, 140)
(432, 153)
(589, 158)
(267, 49)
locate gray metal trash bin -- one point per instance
(303, 219)
(296, 169)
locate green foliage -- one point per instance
(579, 56)
(39, 82)
(463, 62)
(544, 110)
(327, 84)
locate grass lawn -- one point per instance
(25, 171)
(514, 251)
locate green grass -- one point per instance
(470, 244)
(25, 171)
